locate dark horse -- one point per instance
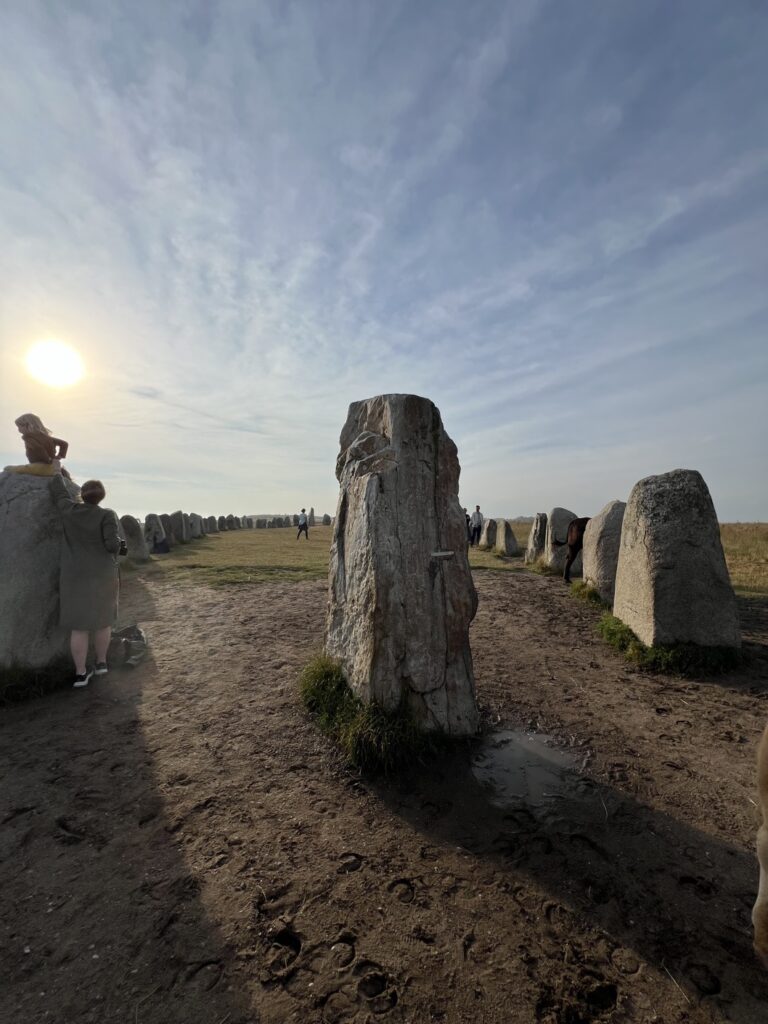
(575, 541)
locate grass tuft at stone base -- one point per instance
(18, 682)
(584, 592)
(672, 659)
(373, 739)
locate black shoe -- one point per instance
(101, 668)
(83, 678)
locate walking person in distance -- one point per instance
(476, 525)
(303, 525)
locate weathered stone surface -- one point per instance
(672, 583)
(238, 523)
(401, 595)
(134, 539)
(557, 529)
(295, 520)
(212, 524)
(204, 525)
(536, 538)
(221, 522)
(506, 541)
(195, 526)
(187, 527)
(170, 536)
(30, 544)
(326, 520)
(153, 530)
(180, 527)
(311, 517)
(261, 524)
(601, 549)
(230, 522)
(488, 536)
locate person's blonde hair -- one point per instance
(29, 421)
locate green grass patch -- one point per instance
(373, 739)
(542, 568)
(19, 683)
(672, 659)
(584, 592)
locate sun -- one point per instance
(55, 364)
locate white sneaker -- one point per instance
(83, 678)
(101, 668)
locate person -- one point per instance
(88, 576)
(469, 528)
(44, 451)
(303, 525)
(476, 523)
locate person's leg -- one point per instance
(298, 534)
(101, 640)
(78, 645)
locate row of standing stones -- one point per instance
(400, 591)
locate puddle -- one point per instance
(524, 768)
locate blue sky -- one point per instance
(549, 217)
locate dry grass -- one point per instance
(746, 552)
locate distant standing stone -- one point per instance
(672, 583)
(195, 526)
(506, 541)
(212, 524)
(536, 539)
(153, 530)
(230, 522)
(180, 527)
(311, 517)
(326, 520)
(488, 536)
(134, 539)
(170, 536)
(261, 524)
(401, 595)
(602, 538)
(222, 524)
(557, 529)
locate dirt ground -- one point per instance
(179, 844)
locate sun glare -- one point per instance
(55, 364)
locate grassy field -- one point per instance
(262, 556)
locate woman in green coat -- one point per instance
(88, 585)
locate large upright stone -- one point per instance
(311, 517)
(536, 539)
(557, 529)
(187, 527)
(672, 583)
(134, 539)
(326, 520)
(601, 549)
(180, 527)
(261, 524)
(401, 595)
(295, 520)
(154, 532)
(488, 536)
(222, 524)
(231, 522)
(170, 536)
(212, 525)
(506, 541)
(30, 545)
(195, 526)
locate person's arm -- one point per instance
(60, 448)
(110, 532)
(61, 496)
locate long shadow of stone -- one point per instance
(102, 920)
(679, 898)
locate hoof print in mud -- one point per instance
(284, 948)
(374, 987)
(349, 862)
(402, 889)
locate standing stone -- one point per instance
(212, 524)
(672, 583)
(134, 539)
(401, 595)
(180, 527)
(536, 539)
(222, 524)
(187, 527)
(261, 524)
(326, 520)
(230, 522)
(204, 525)
(170, 536)
(506, 541)
(311, 517)
(195, 526)
(557, 529)
(153, 530)
(295, 520)
(488, 536)
(601, 549)
(238, 522)
(30, 545)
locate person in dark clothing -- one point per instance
(303, 525)
(469, 528)
(476, 525)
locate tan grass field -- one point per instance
(262, 556)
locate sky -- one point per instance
(550, 218)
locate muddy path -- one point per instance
(178, 844)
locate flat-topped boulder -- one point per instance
(134, 538)
(401, 595)
(488, 536)
(536, 539)
(672, 583)
(30, 547)
(602, 538)
(557, 530)
(506, 541)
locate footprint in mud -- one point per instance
(375, 989)
(349, 862)
(285, 946)
(342, 953)
(402, 889)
